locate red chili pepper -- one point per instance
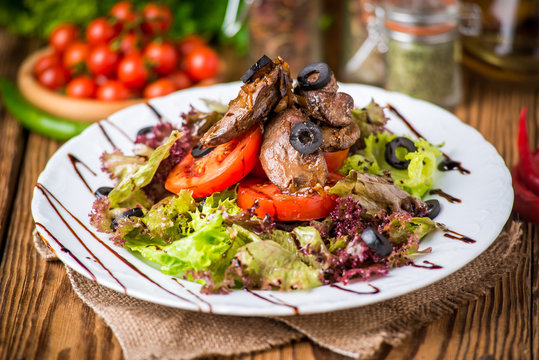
(528, 165)
(526, 202)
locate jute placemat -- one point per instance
(149, 331)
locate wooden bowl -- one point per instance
(82, 110)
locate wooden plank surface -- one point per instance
(42, 318)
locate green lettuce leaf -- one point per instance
(402, 228)
(416, 180)
(370, 119)
(143, 175)
(268, 265)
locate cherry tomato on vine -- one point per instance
(160, 87)
(100, 31)
(190, 43)
(75, 55)
(54, 77)
(112, 90)
(129, 43)
(157, 19)
(46, 61)
(132, 71)
(283, 206)
(161, 56)
(202, 63)
(62, 36)
(180, 79)
(102, 60)
(83, 87)
(223, 167)
(123, 11)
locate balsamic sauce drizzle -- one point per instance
(66, 250)
(48, 196)
(376, 290)
(445, 195)
(295, 308)
(447, 164)
(119, 129)
(430, 266)
(74, 161)
(154, 110)
(455, 235)
(278, 302)
(195, 295)
(47, 193)
(107, 135)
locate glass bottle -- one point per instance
(423, 49)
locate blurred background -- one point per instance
(416, 47)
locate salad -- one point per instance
(287, 187)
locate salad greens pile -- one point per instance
(224, 247)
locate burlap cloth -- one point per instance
(149, 331)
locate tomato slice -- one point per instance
(225, 166)
(282, 206)
(334, 161)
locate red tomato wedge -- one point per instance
(225, 166)
(282, 206)
(334, 161)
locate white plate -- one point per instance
(486, 195)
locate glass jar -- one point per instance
(423, 50)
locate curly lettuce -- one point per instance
(415, 180)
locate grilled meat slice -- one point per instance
(287, 168)
(254, 103)
(338, 138)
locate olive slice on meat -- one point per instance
(391, 152)
(320, 68)
(102, 191)
(134, 212)
(376, 241)
(249, 74)
(198, 151)
(433, 208)
(306, 137)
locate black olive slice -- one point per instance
(102, 191)
(199, 151)
(306, 137)
(376, 241)
(324, 75)
(391, 152)
(433, 208)
(145, 131)
(263, 61)
(136, 212)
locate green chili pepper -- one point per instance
(35, 119)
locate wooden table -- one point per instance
(41, 317)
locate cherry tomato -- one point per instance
(54, 77)
(189, 43)
(46, 61)
(282, 206)
(123, 12)
(81, 87)
(62, 36)
(334, 160)
(75, 55)
(102, 60)
(202, 63)
(157, 19)
(180, 79)
(112, 90)
(223, 167)
(132, 71)
(161, 87)
(129, 43)
(162, 57)
(100, 31)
